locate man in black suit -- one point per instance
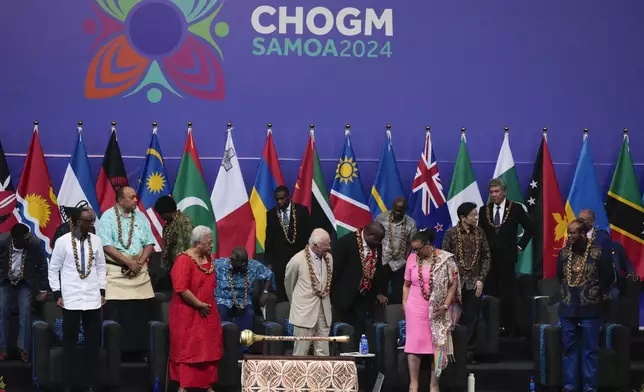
(23, 270)
(358, 277)
(500, 220)
(288, 229)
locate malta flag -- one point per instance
(626, 210)
(546, 209)
(112, 174)
(229, 199)
(348, 201)
(78, 183)
(153, 184)
(37, 204)
(8, 216)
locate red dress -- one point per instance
(195, 342)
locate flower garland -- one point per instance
(232, 289)
(368, 263)
(205, 271)
(506, 213)
(580, 266)
(90, 260)
(459, 249)
(284, 225)
(120, 230)
(426, 294)
(397, 253)
(315, 282)
(15, 279)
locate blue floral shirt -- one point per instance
(223, 294)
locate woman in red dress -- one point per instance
(195, 329)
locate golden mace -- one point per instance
(247, 338)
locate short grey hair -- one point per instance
(317, 236)
(198, 234)
(496, 182)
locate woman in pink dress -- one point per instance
(195, 329)
(431, 305)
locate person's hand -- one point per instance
(440, 312)
(204, 309)
(59, 302)
(269, 266)
(519, 249)
(103, 300)
(131, 264)
(382, 299)
(41, 296)
(263, 299)
(478, 288)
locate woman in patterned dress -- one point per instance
(431, 305)
(195, 329)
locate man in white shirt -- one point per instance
(77, 277)
(308, 284)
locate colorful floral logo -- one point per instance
(156, 45)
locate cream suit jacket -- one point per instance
(304, 303)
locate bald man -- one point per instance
(307, 282)
(358, 277)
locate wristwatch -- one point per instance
(265, 292)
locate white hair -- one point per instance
(198, 234)
(317, 236)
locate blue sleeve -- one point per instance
(261, 271)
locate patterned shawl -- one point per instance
(444, 271)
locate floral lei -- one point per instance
(396, 253)
(90, 260)
(234, 293)
(579, 267)
(368, 264)
(419, 264)
(315, 282)
(120, 230)
(508, 207)
(459, 249)
(285, 228)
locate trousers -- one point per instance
(321, 328)
(243, 318)
(580, 334)
(470, 317)
(23, 294)
(91, 320)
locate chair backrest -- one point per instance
(549, 287)
(282, 311)
(394, 313)
(50, 312)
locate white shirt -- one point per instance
(317, 264)
(16, 261)
(77, 293)
(365, 246)
(501, 208)
(590, 233)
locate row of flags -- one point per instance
(237, 219)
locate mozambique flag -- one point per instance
(625, 209)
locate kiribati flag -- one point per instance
(153, 184)
(37, 204)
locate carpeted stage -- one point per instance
(511, 373)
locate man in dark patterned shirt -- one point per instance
(469, 245)
(176, 236)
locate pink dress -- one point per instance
(419, 333)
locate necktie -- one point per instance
(497, 217)
(82, 256)
(285, 218)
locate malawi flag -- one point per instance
(546, 209)
(229, 199)
(625, 209)
(347, 195)
(36, 199)
(190, 189)
(112, 174)
(8, 213)
(506, 171)
(262, 197)
(311, 192)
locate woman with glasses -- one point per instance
(431, 303)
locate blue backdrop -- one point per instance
(463, 63)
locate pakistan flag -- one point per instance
(506, 171)
(190, 190)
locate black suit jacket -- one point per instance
(35, 273)
(503, 241)
(347, 273)
(277, 251)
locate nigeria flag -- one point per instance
(463, 187)
(506, 171)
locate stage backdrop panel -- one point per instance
(462, 63)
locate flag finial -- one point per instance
(625, 131)
(154, 124)
(428, 128)
(113, 123)
(80, 123)
(312, 126)
(229, 124)
(389, 127)
(189, 124)
(270, 125)
(347, 127)
(463, 130)
(506, 129)
(36, 122)
(545, 130)
(585, 131)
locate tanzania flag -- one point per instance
(546, 210)
(112, 174)
(347, 195)
(8, 211)
(625, 209)
(311, 192)
(387, 185)
(190, 190)
(36, 199)
(262, 197)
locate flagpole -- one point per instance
(625, 132)
(506, 129)
(154, 127)
(388, 131)
(270, 129)
(312, 131)
(463, 135)
(585, 133)
(36, 126)
(80, 127)
(545, 133)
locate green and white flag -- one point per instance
(463, 187)
(506, 171)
